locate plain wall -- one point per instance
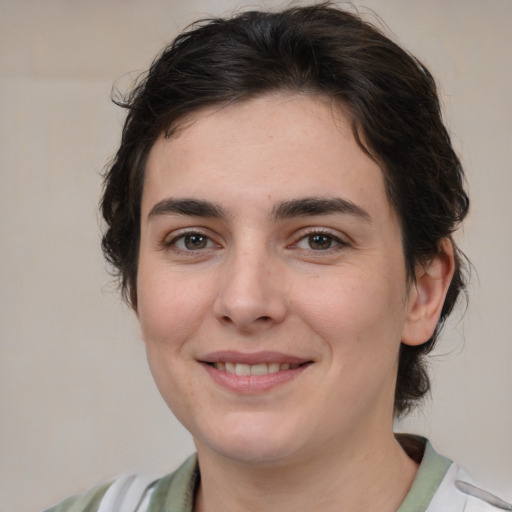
(77, 401)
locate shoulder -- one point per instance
(457, 492)
(131, 493)
(86, 502)
(124, 494)
(441, 485)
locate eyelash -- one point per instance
(173, 243)
(335, 242)
(339, 244)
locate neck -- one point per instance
(375, 476)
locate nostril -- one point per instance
(264, 319)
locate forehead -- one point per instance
(271, 148)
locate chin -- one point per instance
(252, 453)
(253, 443)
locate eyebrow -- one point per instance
(303, 207)
(191, 207)
(311, 206)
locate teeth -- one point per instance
(242, 369)
(273, 367)
(259, 369)
(253, 369)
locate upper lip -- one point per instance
(230, 356)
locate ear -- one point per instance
(427, 294)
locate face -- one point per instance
(272, 292)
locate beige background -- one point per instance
(77, 401)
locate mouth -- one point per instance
(253, 373)
(254, 369)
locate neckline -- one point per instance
(432, 470)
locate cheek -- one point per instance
(355, 312)
(170, 310)
(169, 307)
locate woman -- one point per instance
(281, 212)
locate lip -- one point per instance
(231, 356)
(252, 384)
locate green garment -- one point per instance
(175, 492)
(432, 469)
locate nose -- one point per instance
(251, 292)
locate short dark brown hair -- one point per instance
(319, 49)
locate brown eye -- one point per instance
(195, 241)
(320, 242)
(192, 241)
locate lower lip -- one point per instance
(252, 384)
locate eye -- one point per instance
(320, 241)
(191, 242)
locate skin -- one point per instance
(248, 276)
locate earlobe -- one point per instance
(427, 295)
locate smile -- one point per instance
(253, 369)
(252, 374)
